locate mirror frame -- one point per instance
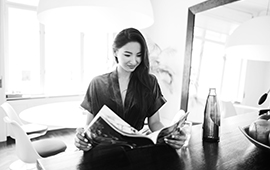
(192, 11)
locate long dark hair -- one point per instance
(140, 78)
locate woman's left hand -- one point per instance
(176, 140)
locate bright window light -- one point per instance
(47, 61)
(23, 68)
(212, 68)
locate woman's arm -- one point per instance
(154, 122)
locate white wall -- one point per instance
(169, 33)
(257, 83)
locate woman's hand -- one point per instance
(176, 140)
(80, 141)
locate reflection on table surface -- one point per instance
(233, 152)
(60, 114)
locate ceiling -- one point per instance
(228, 17)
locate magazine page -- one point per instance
(101, 132)
(109, 115)
(118, 122)
(109, 128)
(179, 119)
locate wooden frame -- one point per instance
(192, 11)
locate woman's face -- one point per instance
(129, 56)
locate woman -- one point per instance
(129, 90)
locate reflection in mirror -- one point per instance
(207, 65)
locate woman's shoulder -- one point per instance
(152, 77)
(101, 78)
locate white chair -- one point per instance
(28, 152)
(227, 109)
(31, 129)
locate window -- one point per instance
(45, 61)
(62, 62)
(23, 61)
(212, 68)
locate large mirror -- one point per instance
(239, 82)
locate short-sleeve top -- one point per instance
(104, 90)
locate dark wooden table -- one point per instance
(233, 152)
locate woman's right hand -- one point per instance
(81, 141)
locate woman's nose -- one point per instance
(133, 60)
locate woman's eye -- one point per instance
(127, 55)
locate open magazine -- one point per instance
(108, 128)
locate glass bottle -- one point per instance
(211, 121)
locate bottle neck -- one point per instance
(212, 91)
